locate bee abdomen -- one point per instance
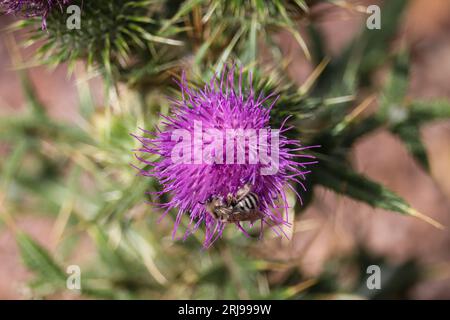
(248, 203)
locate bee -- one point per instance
(244, 206)
(218, 208)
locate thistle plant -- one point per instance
(221, 113)
(79, 174)
(32, 8)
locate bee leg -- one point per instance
(226, 215)
(213, 214)
(230, 200)
(261, 229)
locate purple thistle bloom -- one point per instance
(190, 184)
(32, 8)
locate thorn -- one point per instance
(360, 108)
(354, 114)
(306, 86)
(426, 218)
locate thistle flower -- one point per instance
(32, 8)
(197, 162)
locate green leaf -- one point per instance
(376, 42)
(395, 90)
(38, 259)
(185, 8)
(405, 123)
(410, 135)
(228, 50)
(393, 110)
(403, 117)
(424, 111)
(366, 53)
(343, 180)
(37, 108)
(11, 166)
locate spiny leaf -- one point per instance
(111, 31)
(342, 179)
(185, 8)
(11, 166)
(393, 103)
(403, 117)
(39, 260)
(410, 136)
(395, 90)
(375, 42)
(405, 122)
(423, 111)
(366, 53)
(36, 107)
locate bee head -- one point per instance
(212, 202)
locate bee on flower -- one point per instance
(220, 161)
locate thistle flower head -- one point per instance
(31, 8)
(215, 142)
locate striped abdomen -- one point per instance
(248, 204)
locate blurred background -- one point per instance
(334, 238)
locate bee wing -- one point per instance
(243, 192)
(240, 214)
